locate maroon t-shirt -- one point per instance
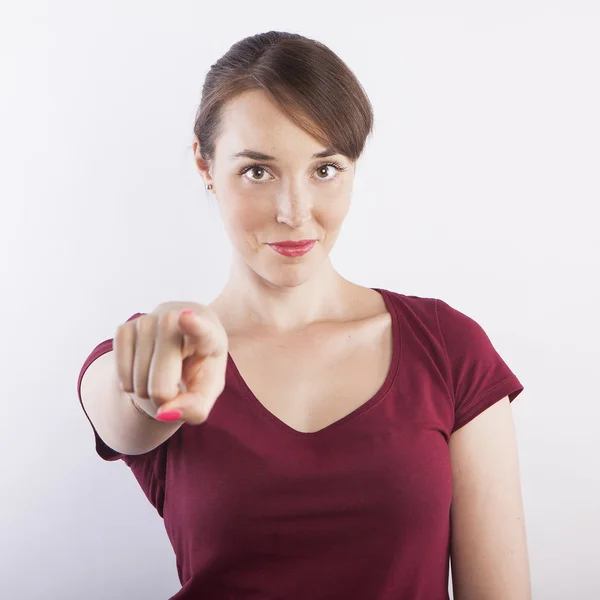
(358, 510)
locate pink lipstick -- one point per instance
(290, 248)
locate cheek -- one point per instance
(250, 217)
(333, 214)
(332, 205)
(244, 219)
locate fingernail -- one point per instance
(187, 312)
(169, 415)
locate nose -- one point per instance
(293, 210)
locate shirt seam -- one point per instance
(479, 399)
(437, 318)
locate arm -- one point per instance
(121, 425)
(489, 547)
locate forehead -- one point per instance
(254, 120)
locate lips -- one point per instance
(293, 249)
(289, 244)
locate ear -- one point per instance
(201, 164)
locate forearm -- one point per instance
(119, 421)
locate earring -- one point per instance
(209, 186)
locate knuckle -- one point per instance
(144, 322)
(119, 336)
(160, 392)
(176, 307)
(128, 389)
(166, 323)
(141, 390)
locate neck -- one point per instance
(250, 302)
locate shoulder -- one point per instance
(456, 342)
(417, 317)
(424, 306)
(419, 307)
(456, 335)
(437, 316)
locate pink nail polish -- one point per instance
(187, 312)
(169, 415)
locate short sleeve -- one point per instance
(149, 468)
(480, 377)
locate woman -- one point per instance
(303, 436)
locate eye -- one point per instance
(325, 167)
(257, 168)
(320, 170)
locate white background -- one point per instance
(480, 186)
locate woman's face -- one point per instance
(292, 196)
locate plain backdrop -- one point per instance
(480, 186)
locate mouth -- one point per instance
(289, 248)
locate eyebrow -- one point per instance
(255, 155)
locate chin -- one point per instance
(290, 280)
(281, 272)
(288, 276)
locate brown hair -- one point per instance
(309, 82)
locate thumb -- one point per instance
(183, 408)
